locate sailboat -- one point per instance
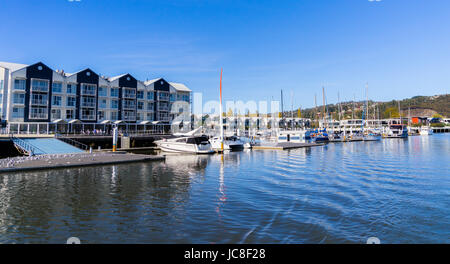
(370, 136)
(221, 143)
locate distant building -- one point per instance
(38, 94)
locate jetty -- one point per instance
(56, 161)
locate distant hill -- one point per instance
(415, 106)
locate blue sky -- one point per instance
(400, 47)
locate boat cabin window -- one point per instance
(196, 140)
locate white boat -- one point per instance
(396, 131)
(186, 144)
(229, 143)
(372, 137)
(297, 136)
(425, 131)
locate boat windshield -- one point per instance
(197, 140)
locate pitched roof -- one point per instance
(12, 66)
(111, 79)
(180, 87)
(151, 81)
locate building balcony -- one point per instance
(88, 104)
(39, 102)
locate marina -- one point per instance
(216, 123)
(396, 190)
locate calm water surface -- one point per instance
(396, 190)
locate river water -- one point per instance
(397, 190)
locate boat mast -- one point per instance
(339, 108)
(221, 114)
(292, 110)
(323, 101)
(353, 110)
(315, 103)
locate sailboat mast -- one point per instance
(323, 101)
(339, 108)
(315, 104)
(353, 110)
(282, 107)
(221, 114)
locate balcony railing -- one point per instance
(163, 108)
(88, 117)
(38, 115)
(129, 106)
(39, 102)
(88, 104)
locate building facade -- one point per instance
(38, 94)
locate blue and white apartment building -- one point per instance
(37, 99)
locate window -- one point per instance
(71, 101)
(172, 97)
(129, 93)
(114, 92)
(88, 101)
(129, 115)
(140, 95)
(163, 96)
(88, 89)
(114, 104)
(149, 116)
(150, 106)
(1, 86)
(102, 103)
(56, 114)
(57, 87)
(140, 105)
(38, 112)
(71, 88)
(150, 95)
(129, 104)
(87, 114)
(139, 116)
(39, 99)
(19, 84)
(56, 100)
(70, 114)
(101, 115)
(17, 112)
(19, 98)
(102, 91)
(39, 85)
(114, 116)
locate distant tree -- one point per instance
(391, 112)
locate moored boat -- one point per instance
(189, 144)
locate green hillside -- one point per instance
(415, 106)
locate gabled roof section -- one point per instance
(70, 74)
(112, 79)
(152, 81)
(12, 66)
(180, 87)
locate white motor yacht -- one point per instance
(425, 131)
(229, 143)
(186, 144)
